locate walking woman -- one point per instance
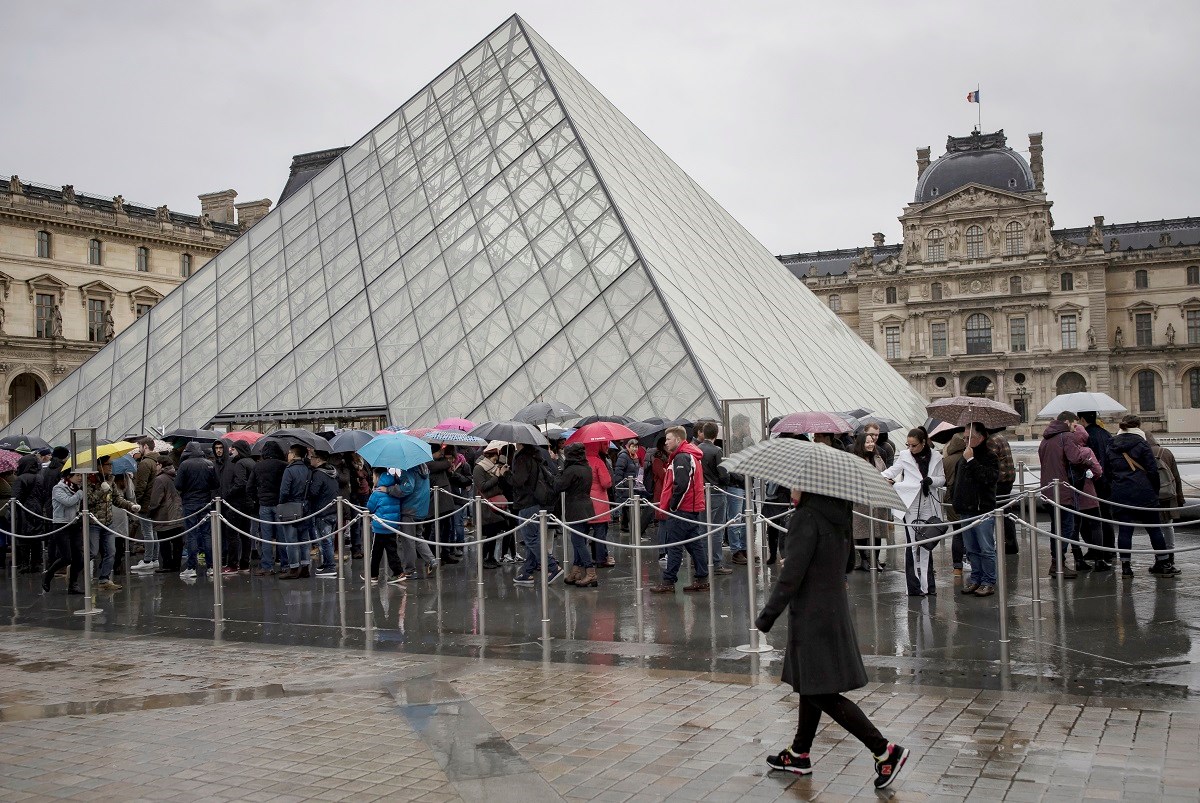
(575, 480)
(66, 500)
(919, 478)
(822, 659)
(865, 446)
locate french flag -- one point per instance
(973, 97)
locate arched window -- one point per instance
(1066, 281)
(1193, 274)
(979, 334)
(935, 246)
(43, 245)
(1014, 238)
(835, 303)
(974, 242)
(1193, 382)
(978, 386)
(185, 265)
(1147, 395)
(890, 295)
(143, 259)
(935, 291)
(1141, 279)
(94, 252)
(1070, 382)
(1014, 285)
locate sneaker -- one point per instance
(985, 591)
(887, 769)
(374, 580)
(722, 570)
(229, 570)
(739, 558)
(787, 761)
(144, 566)
(525, 580)
(327, 571)
(662, 561)
(970, 588)
(188, 574)
(398, 580)
(697, 585)
(107, 585)
(555, 573)
(663, 588)
(1126, 569)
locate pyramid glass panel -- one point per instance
(505, 234)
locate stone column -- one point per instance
(957, 384)
(1000, 386)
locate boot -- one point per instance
(589, 579)
(573, 576)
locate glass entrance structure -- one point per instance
(506, 235)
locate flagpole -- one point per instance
(978, 110)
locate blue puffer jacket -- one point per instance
(384, 506)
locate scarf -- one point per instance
(1141, 433)
(922, 460)
(488, 466)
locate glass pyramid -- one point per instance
(506, 235)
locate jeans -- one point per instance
(199, 538)
(735, 504)
(294, 534)
(531, 535)
(324, 530)
(980, 544)
(267, 553)
(458, 526)
(583, 550)
(1148, 519)
(1059, 548)
(599, 550)
(104, 546)
(151, 548)
(718, 518)
(675, 531)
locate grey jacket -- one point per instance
(65, 501)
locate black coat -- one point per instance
(975, 482)
(822, 654)
(48, 477)
(24, 490)
(196, 478)
(267, 476)
(575, 480)
(1131, 486)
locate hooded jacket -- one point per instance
(975, 482)
(296, 484)
(143, 478)
(238, 492)
(601, 482)
(384, 507)
(489, 483)
(102, 495)
(575, 480)
(411, 486)
(951, 459)
(196, 480)
(1084, 459)
(1052, 456)
(24, 489)
(66, 501)
(48, 477)
(528, 469)
(1098, 440)
(164, 505)
(323, 491)
(267, 476)
(1130, 485)
(626, 468)
(683, 483)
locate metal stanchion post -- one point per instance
(566, 561)
(543, 535)
(437, 525)
(1001, 573)
(1021, 482)
(214, 522)
(89, 609)
(12, 543)
(708, 527)
(479, 546)
(1057, 548)
(1034, 562)
(367, 537)
(874, 543)
(757, 643)
(636, 528)
(339, 553)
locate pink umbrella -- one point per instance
(417, 432)
(8, 461)
(797, 423)
(602, 432)
(249, 436)
(461, 424)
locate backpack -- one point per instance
(1166, 481)
(543, 490)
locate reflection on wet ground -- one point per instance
(1099, 635)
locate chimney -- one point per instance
(218, 205)
(922, 160)
(878, 238)
(251, 212)
(1035, 160)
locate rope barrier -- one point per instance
(639, 547)
(1119, 504)
(129, 513)
(312, 515)
(40, 535)
(139, 540)
(1119, 522)
(1098, 547)
(387, 525)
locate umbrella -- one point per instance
(193, 435)
(118, 449)
(452, 437)
(23, 443)
(884, 423)
(858, 413)
(249, 436)
(545, 412)
(350, 440)
(811, 422)
(461, 424)
(612, 419)
(124, 465)
(815, 468)
(389, 430)
(416, 432)
(510, 432)
(303, 437)
(943, 432)
(1099, 403)
(963, 410)
(8, 461)
(396, 451)
(602, 431)
(161, 447)
(556, 434)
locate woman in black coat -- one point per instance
(575, 480)
(822, 658)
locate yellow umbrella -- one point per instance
(118, 449)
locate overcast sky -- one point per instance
(802, 119)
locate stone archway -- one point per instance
(1070, 382)
(23, 391)
(980, 386)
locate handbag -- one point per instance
(293, 511)
(930, 526)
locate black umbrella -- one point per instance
(350, 441)
(545, 412)
(193, 435)
(858, 412)
(557, 434)
(303, 437)
(23, 443)
(612, 419)
(510, 432)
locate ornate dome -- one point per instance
(976, 159)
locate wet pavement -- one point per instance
(447, 696)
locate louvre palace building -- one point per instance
(986, 297)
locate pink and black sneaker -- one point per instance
(787, 761)
(889, 767)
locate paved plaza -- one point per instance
(445, 698)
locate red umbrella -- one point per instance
(416, 432)
(797, 423)
(602, 431)
(242, 435)
(461, 424)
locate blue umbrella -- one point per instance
(124, 465)
(396, 451)
(452, 436)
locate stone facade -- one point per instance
(985, 297)
(76, 269)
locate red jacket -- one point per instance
(601, 482)
(683, 484)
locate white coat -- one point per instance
(906, 475)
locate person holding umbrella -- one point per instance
(918, 477)
(975, 496)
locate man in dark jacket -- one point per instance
(322, 493)
(683, 499)
(294, 488)
(533, 492)
(24, 487)
(1098, 440)
(235, 486)
(48, 477)
(436, 528)
(197, 483)
(263, 490)
(143, 481)
(717, 478)
(975, 479)
(1052, 457)
(1132, 471)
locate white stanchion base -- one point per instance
(92, 612)
(762, 647)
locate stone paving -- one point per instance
(101, 716)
